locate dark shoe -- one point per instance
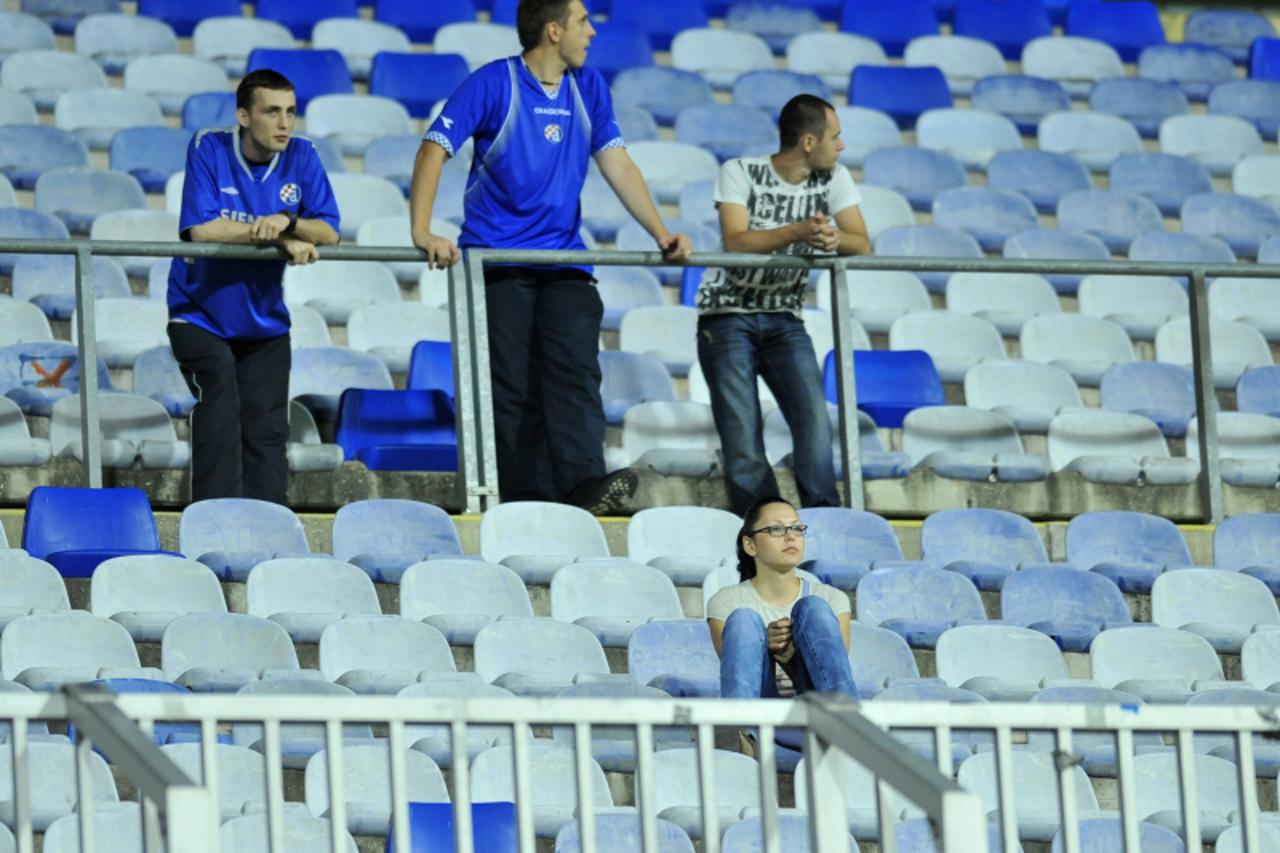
(609, 495)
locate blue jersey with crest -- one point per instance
(242, 300)
(532, 149)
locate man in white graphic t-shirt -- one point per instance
(799, 201)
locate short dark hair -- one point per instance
(802, 114)
(746, 562)
(263, 78)
(532, 17)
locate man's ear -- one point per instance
(242, 116)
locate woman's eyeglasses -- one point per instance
(777, 531)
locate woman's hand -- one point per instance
(780, 646)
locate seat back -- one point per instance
(382, 642)
(684, 531)
(314, 72)
(71, 639)
(672, 647)
(1014, 384)
(613, 589)
(918, 593)
(393, 526)
(240, 524)
(154, 583)
(543, 646)
(462, 587)
(62, 518)
(1090, 432)
(224, 641)
(957, 428)
(1136, 537)
(1143, 652)
(309, 585)
(1061, 594)
(537, 527)
(1249, 539)
(989, 535)
(1209, 595)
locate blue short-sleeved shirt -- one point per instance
(242, 299)
(532, 150)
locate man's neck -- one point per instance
(545, 63)
(252, 153)
(792, 166)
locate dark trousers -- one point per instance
(544, 333)
(240, 425)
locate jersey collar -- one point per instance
(244, 164)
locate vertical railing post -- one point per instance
(850, 446)
(464, 388)
(1210, 482)
(482, 476)
(87, 344)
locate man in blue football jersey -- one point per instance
(537, 120)
(228, 324)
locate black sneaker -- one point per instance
(609, 495)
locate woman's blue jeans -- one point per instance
(746, 667)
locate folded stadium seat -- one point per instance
(1229, 30)
(1217, 141)
(125, 328)
(1027, 393)
(48, 650)
(48, 282)
(459, 596)
(878, 298)
(367, 785)
(1025, 100)
(675, 438)
(398, 430)
(860, 799)
(1167, 179)
(353, 121)
(919, 174)
(1077, 63)
(719, 55)
(770, 89)
(1235, 347)
(1044, 177)
(241, 776)
(300, 18)
(435, 739)
(890, 383)
(1007, 300)
(1246, 543)
(618, 47)
(145, 592)
(34, 587)
(663, 92)
(119, 822)
(421, 22)
(991, 215)
(630, 378)
(538, 657)
(53, 784)
(985, 545)
(394, 231)
(843, 544)
(1115, 447)
(364, 197)
(1266, 755)
(776, 23)
(477, 43)
(307, 328)
(172, 78)
(555, 797)
(1268, 252)
(737, 787)
(24, 32)
(880, 658)
(17, 446)
(667, 332)
(1130, 548)
(867, 130)
(1095, 750)
(1071, 607)
(877, 463)
(123, 525)
(16, 108)
(182, 17)
(1248, 448)
(207, 109)
(387, 536)
(675, 656)
(1000, 662)
(954, 341)
(971, 136)
(882, 208)
(150, 154)
(37, 374)
(669, 166)
(624, 288)
(232, 535)
(1232, 838)
(314, 72)
(151, 226)
(1240, 221)
(1140, 304)
(298, 741)
(22, 321)
(1258, 660)
(306, 451)
(1159, 798)
(965, 443)
(1008, 26)
(381, 655)
(1258, 177)
(133, 429)
(705, 536)
(618, 829)
(902, 92)
(1114, 217)
(1127, 27)
(1095, 139)
(44, 75)
(745, 835)
(228, 40)
(305, 595)
(536, 538)
(1163, 393)
(1035, 780)
(389, 331)
(611, 597)
(1143, 102)
(94, 115)
(1255, 101)
(112, 39)
(1056, 244)
(1194, 68)
(1258, 391)
(963, 60)
(918, 603)
(221, 652)
(359, 42)
(726, 130)
(892, 28)
(1221, 606)
(833, 56)
(338, 288)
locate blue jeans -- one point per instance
(747, 668)
(733, 349)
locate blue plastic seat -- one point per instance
(112, 40)
(1162, 392)
(387, 430)
(1129, 548)
(313, 72)
(1241, 221)
(675, 656)
(319, 375)
(31, 150)
(1115, 218)
(928, 241)
(769, 90)
(1068, 605)
(624, 288)
(1059, 244)
(920, 174)
(1193, 68)
(431, 366)
(1250, 543)
(493, 827)
(48, 282)
(385, 537)
(843, 544)
(416, 80)
(617, 47)
(660, 21)
(1008, 24)
(902, 92)
(419, 21)
(156, 375)
(891, 25)
(1180, 247)
(1144, 102)
(209, 109)
(75, 529)
(1166, 179)
(36, 374)
(1232, 31)
(63, 15)
(775, 22)
(1258, 391)
(663, 92)
(1044, 177)
(183, 16)
(985, 545)
(1255, 101)
(629, 378)
(232, 535)
(991, 215)
(1264, 59)
(23, 224)
(301, 16)
(150, 154)
(726, 130)
(919, 603)
(890, 383)
(1128, 27)
(1023, 99)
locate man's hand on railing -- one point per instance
(441, 252)
(300, 251)
(676, 247)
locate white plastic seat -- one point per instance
(719, 55)
(1000, 662)
(459, 597)
(23, 32)
(232, 535)
(737, 785)
(961, 442)
(878, 298)
(1027, 393)
(17, 446)
(150, 226)
(669, 166)
(298, 741)
(307, 327)
(1248, 448)
(1217, 141)
(534, 538)
(132, 429)
(1260, 660)
(52, 768)
(555, 796)
(305, 595)
(126, 328)
(1155, 663)
(538, 657)
(242, 773)
(1141, 304)
(228, 40)
(833, 55)
(1115, 447)
(683, 542)
(477, 43)
(1095, 139)
(31, 586)
(1062, 340)
(954, 341)
(366, 785)
(1007, 300)
(971, 136)
(94, 115)
(388, 330)
(1253, 301)
(302, 834)
(111, 39)
(867, 129)
(394, 231)
(1223, 607)
(1035, 790)
(364, 197)
(306, 451)
(883, 208)
(1235, 348)
(44, 75)
(222, 652)
(47, 650)
(1077, 63)
(353, 121)
(667, 332)
(171, 78)
(145, 592)
(358, 41)
(1159, 792)
(337, 288)
(612, 597)
(860, 803)
(382, 654)
(1257, 176)
(964, 60)
(435, 739)
(77, 195)
(674, 437)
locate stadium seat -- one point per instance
(1095, 139)
(619, 830)
(1128, 27)
(150, 154)
(676, 438)
(1258, 660)
(95, 115)
(143, 225)
(1116, 218)
(1044, 177)
(398, 430)
(1248, 448)
(242, 774)
(1194, 68)
(669, 166)
(636, 123)
(125, 328)
(603, 213)
(864, 130)
(706, 536)
(1115, 447)
(1255, 101)
(1167, 179)
(1162, 393)
(963, 60)
(536, 538)
(746, 835)
(985, 545)
(918, 603)
(1027, 393)
(612, 597)
(1249, 300)
(877, 463)
(44, 75)
(38, 373)
(45, 651)
(112, 39)
(1263, 54)
(353, 122)
(434, 739)
(304, 595)
(661, 22)
(172, 78)
(77, 195)
(624, 288)
(1130, 548)
(207, 109)
(329, 287)
(298, 741)
(381, 655)
(221, 652)
(1143, 102)
(133, 428)
(1243, 223)
(364, 197)
(430, 824)
(555, 798)
(1235, 347)
(1222, 607)
(675, 656)
(893, 29)
(999, 662)
(726, 130)
(1229, 30)
(1007, 300)
(1217, 141)
(123, 525)
(314, 72)
(1070, 607)
(34, 587)
(306, 451)
(1025, 100)
(737, 786)
(971, 136)
(392, 157)
(629, 378)
(667, 332)
(919, 174)
(770, 89)
(1035, 778)
(23, 32)
(878, 298)
(1057, 243)
(1246, 543)
(459, 597)
(307, 328)
(53, 787)
(386, 536)
(879, 657)
(890, 384)
(228, 40)
(21, 322)
(1159, 793)
(145, 592)
(843, 544)
(16, 108)
(776, 23)
(17, 446)
(1180, 247)
(991, 215)
(118, 824)
(477, 43)
(1258, 391)
(860, 800)
(420, 22)
(833, 56)
(719, 55)
(300, 18)
(1139, 304)
(965, 443)
(1077, 63)
(618, 47)
(882, 208)
(394, 231)
(538, 657)
(1232, 838)
(232, 535)
(663, 92)
(183, 17)
(953, 340)
(367, 785)
(1008, 26)
(1097, 751)
(1258, 177)
(902, 92)
(389, 330)
(359, 41)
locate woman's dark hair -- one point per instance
(746, 562)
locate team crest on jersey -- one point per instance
(291, 194)
(552, 133)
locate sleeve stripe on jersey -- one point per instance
(441, 140)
